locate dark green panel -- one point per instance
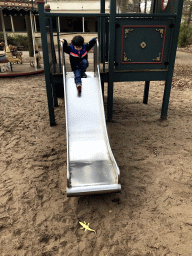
(151, 75)
(143, 43)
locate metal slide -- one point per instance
(91, 166)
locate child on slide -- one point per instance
(78, 52)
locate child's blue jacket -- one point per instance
(77, 56)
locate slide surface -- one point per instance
(91, 166)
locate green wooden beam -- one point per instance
(56, 14)
(168, 82)
(112, 29)
(46, 62)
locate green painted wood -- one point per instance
(168, 83)
(146, 15)
(112, 29)
(143, 43)
(46, 63)
(51, 49)
(52, 45)
(146, 54)
(58, 44)
(146, 92)
(102, 32)
(58, 14)
(147, 75)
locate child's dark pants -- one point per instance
(80, 68)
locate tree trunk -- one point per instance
(29, 33)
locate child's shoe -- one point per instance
(79, 87)
(83, 75)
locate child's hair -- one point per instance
(78, 41)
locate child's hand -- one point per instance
(62, 40)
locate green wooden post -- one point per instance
(58, 44)
(49, 24)
(102, 32)
(112, 22)
(46, 61)
(146, 92)
(168, 82)
(102, 40)
(54, 61)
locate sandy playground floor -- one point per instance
(152, 216)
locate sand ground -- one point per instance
(152, 216)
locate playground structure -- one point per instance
(133, 47)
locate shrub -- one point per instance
(16, 40)
(185, 35)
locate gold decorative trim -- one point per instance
(161, 31)
(158, 58)
(18, 4)
(127, 30)
(143, 45)
(125, 58)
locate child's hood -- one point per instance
(76, 51)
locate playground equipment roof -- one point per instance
(18, 6)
